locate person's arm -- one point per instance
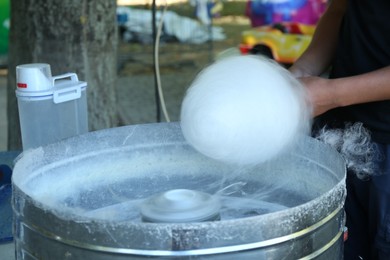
(326, 94)
(318, 56)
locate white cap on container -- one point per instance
(33, 77)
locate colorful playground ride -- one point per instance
(283, 42)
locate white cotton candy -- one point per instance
(244, 110)
(354, 144)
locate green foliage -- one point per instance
(234, 8)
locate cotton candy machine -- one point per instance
(140, 192)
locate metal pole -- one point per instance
(154, 35)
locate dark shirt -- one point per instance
(364, 46)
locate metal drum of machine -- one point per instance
(141, 191)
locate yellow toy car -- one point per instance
(284, 42)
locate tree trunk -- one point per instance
(72, 36)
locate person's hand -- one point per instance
(320, 94)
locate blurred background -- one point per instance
(191, 35)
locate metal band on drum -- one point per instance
(206, 251)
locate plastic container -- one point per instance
(50, 108)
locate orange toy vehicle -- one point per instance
(284, 42)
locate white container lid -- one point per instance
(33, 77)
(35, 82)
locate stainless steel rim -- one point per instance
(206, 251)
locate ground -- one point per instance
(178, 64)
